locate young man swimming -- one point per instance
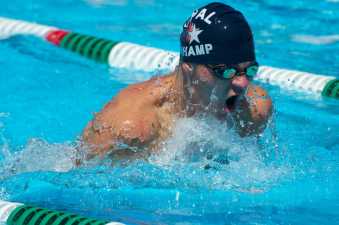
(217, 64)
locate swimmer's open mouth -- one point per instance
(230, 102)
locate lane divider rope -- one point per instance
(134, 56)
(21, 214)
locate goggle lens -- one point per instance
(228, 73)
(251, 71)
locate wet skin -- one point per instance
(142, 115)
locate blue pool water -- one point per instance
(47, 95)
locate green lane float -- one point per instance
(20, 214)
(331, 89)
(133, 56)
(94, 48)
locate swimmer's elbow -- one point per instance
(259, 103)
(259, 120)
(254, 117)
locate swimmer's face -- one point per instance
(210, 90)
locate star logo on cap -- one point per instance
(193, 33)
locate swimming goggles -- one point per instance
(228, 72)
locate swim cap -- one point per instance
(216, 34)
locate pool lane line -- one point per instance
(300, 81)
(10, 27)
(134, 56)
(20, 214)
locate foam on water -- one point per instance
(239, 178)
(202, 153)
(37, 155)
(204, 147)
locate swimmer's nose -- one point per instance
(240, 83)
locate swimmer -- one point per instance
(217, 64)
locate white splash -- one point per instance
(201, 153)
(316, 40)
(191, 140)
(216, 157)
(38, 155)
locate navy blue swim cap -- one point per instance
(216, 34)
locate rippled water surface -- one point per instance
(47, 95)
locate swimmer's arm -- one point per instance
(120, 137)
(253, 112)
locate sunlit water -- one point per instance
(204, 173)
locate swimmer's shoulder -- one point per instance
(134, 112)
(254, 111)
(130, 118)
